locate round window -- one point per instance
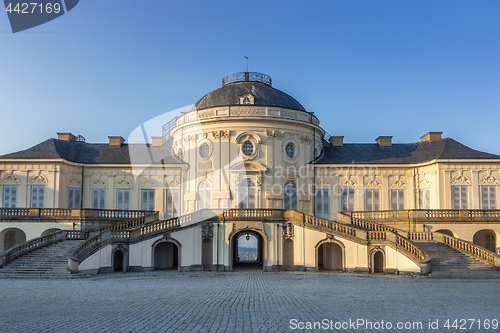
(290, 150)
(204, 150)
(247, 148)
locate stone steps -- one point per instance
(450, 263)
(49, 262)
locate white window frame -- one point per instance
(9, 198)
(247, 194)
(172, 203)
(98, 199)
(37, 196)
(347, 200)
(74, 197)
(488, 197)
(372, 200)
(424, 198)
(290, 195)
(460, 197)
(204, 195)
(123, 199)
(323, 204)
(397, 199)
(148, 200)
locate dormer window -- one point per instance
(246, 99)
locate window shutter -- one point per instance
(463, 195)
(394, 199)
(485, 197)
(78, 198)
(126, 200)
(493, 198)
(369, 200)
(456, 197)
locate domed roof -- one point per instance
(256, 84)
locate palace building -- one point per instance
(249, 178)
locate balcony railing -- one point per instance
(430, 215)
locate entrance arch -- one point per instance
(166, 256)
(206, 254)
(49, 231)
(247, 249)
(486, 238)
(330, 257)
(446, 232)
(378, 262)
(288, 254)
(11, 237)
(119, 261)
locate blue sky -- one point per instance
(366, 68)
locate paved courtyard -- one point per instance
(246, 302)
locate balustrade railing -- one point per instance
(442, 213)
(376, 235)
(380, 214)
(410, 247)
(370, 225)
(38, 242)
(249, 213)
(470, 248)
(14, 212)
(160, 226)
(332, 225)
(490, 214)
(122, 214)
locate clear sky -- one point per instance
(366, 68)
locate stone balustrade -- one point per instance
(430, 215)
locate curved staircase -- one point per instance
(450, 263)
(47, 262)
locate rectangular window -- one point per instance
(489, 197)
(74, 197)
(10, 196)
(397, 199)
(37, 196)
(173, 203)
(98, 199)
(347, 200)
(372, 200)
(424, 199)
(148, 200)
(323, 204)
(459, 197)
(123, 199)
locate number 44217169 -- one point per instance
(33, 7)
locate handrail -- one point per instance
(332, 225)
(427, 215)
(39, 242)
(72, 213)
(249, 213)
(458, 244)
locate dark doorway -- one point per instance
(118, 259)
(247, 249)
(378, 262)
(166, 256)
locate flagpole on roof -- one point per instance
(247, 62)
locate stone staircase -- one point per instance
(48, 262)
(450, 263)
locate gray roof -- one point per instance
(97, 153)
(406, 153)
(264, 95)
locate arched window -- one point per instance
(247, 194)
(204, 195)
(290, 195)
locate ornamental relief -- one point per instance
(248, 112)
(38, 179)
(487, 178)
(172, 181)
(206, 114)
(147, 182)
(220, 134)
(372, 182)
(349, 182)
(396, 182)
(275, 134)
(99, 183)
(121, 181)
(73, 181)
(460, 177)
(11, 179)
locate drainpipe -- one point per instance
(81, 202)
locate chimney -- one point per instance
(431, 136)
(157, 141)
(337, 141)
(66, 137)
(384, 141)
(116, 141)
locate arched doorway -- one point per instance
(487, 239)
(166, 256)
(206, 254)
(330, 257)
(119, 261)
(288, 254)
(49, 231)
(12, 237)
(378, 262)
(247, 249)
(446, 232)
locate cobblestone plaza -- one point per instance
(170, 301)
